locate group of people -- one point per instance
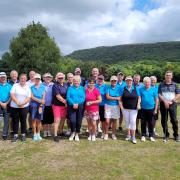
(48, 102)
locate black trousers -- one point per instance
(172, 112)
(147, 118)
(19, 114)
(75, 117)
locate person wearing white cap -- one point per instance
(37, 106)
(4, 101)
(48, 117)
(78, 72)
(129, 104)
(112, 111)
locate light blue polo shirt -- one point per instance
(121, 85)
(148, 97)
(38, 92)
(5, 92)
(113, 92)
(102, 89)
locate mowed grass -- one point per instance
(91, 160)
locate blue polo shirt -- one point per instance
(121, 85)
(37, 92)
(156, 87)
(102, 89)
(113, 92)
(5, 92)
(138, 86)
(75, 95)
(148, 97)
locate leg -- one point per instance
(15, 120)
(72, 118)
(150, 122)
(113, 126)
(34, 127)
(133, 116)
(79, 116)
(126, 115)
(23, 116)
(120, 120)
(143, 122)
(6, 122)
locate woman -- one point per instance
(102, 88)
(112, 111)
(149, 106)
(129, 104)
(48, 117)
(59, 104)
(93, 98)
(20, 95)
(75, 99)
(37, 106)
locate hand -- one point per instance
(42, 101)
(117, 98)
(155, 111)
(122, 108)
(166, 104)
(3, 105)
(75, 106)
(138, 107)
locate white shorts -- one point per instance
(130, 118)
(111, 112)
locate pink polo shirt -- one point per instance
(92, 96)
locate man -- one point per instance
(78, 72)
(14, 77)
(121, 84)
(138, 85)
(168, 95)
(4, 101)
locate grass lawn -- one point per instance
(91, 160)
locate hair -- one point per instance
(169, 71)
(13, 71)
(91, 79)
(135, 75)
(23, 74)
(77, 78)
(59, 73)
(69, 74)
(145, 79)
(153, 78)
(95, 69)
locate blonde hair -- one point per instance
(70, 74)
(153, 78)
(13, 71)
(145, 79)
(77, 78)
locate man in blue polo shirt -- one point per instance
(4, 101)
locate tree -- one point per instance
(33, 48)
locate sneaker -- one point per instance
(56, 139)
(93, 138)
(114, 137)
(39, 138)
(176, 138)
(35, 138)
(23, 138)
(120, 129)
(89, 138)
(143, 138)
(72, 137)
(49, 133)
(102, 136)
(128, 138)
(106, 137)
(152, 139)
(15, 139)
(4, 138)
(45, 134)
(76, 137)
(99, 129)
(165, 139)
(134, 140)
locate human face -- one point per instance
(60, 79)
(47, 79)
(137, 79)
(95, 72)
(78, 73)
(76, 83)
(70, 79)
(120, 78)
(168, 77)
(100, 81)
(31, 75)
(113, 83)
(153, 82)
(91, 85)
(147, 84)
(14, 76)
(3, 80)
(37, 81)
(23, 80)
(129, 83)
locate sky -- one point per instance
(81, 24)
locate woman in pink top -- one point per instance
(93, 98)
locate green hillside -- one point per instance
(161, 51)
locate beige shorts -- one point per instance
(112, 112)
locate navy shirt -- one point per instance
(59, 89)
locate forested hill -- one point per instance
(161, 51)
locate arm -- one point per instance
(13, 97)
(121, 103)
(99, 99)
(139, 103)
(4, 105)
(69, 99)
(156, 105)
(36, 99)
(112, 98)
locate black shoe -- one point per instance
(30, 130)
(4, 138)
(120, 129)
(15, 139)
(62, 134)
(56, 138)
(176, 138)
(23, 138)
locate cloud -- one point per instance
(80, 24)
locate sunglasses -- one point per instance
(60, 78)
(100, 78)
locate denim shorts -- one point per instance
(35, 113)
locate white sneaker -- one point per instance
(134, 141)
(76, 137)
(106, 137)
(87, 130)
(89, 138)
(72, 137)
(99, 129)
(93, 138)
(114, 137)
(102, 136)
(68, 133)
(152, 139)
(45, 133)
(49, 133)
(143, 138)
(128, 138)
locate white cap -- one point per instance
(113, 78)
(3, 74)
